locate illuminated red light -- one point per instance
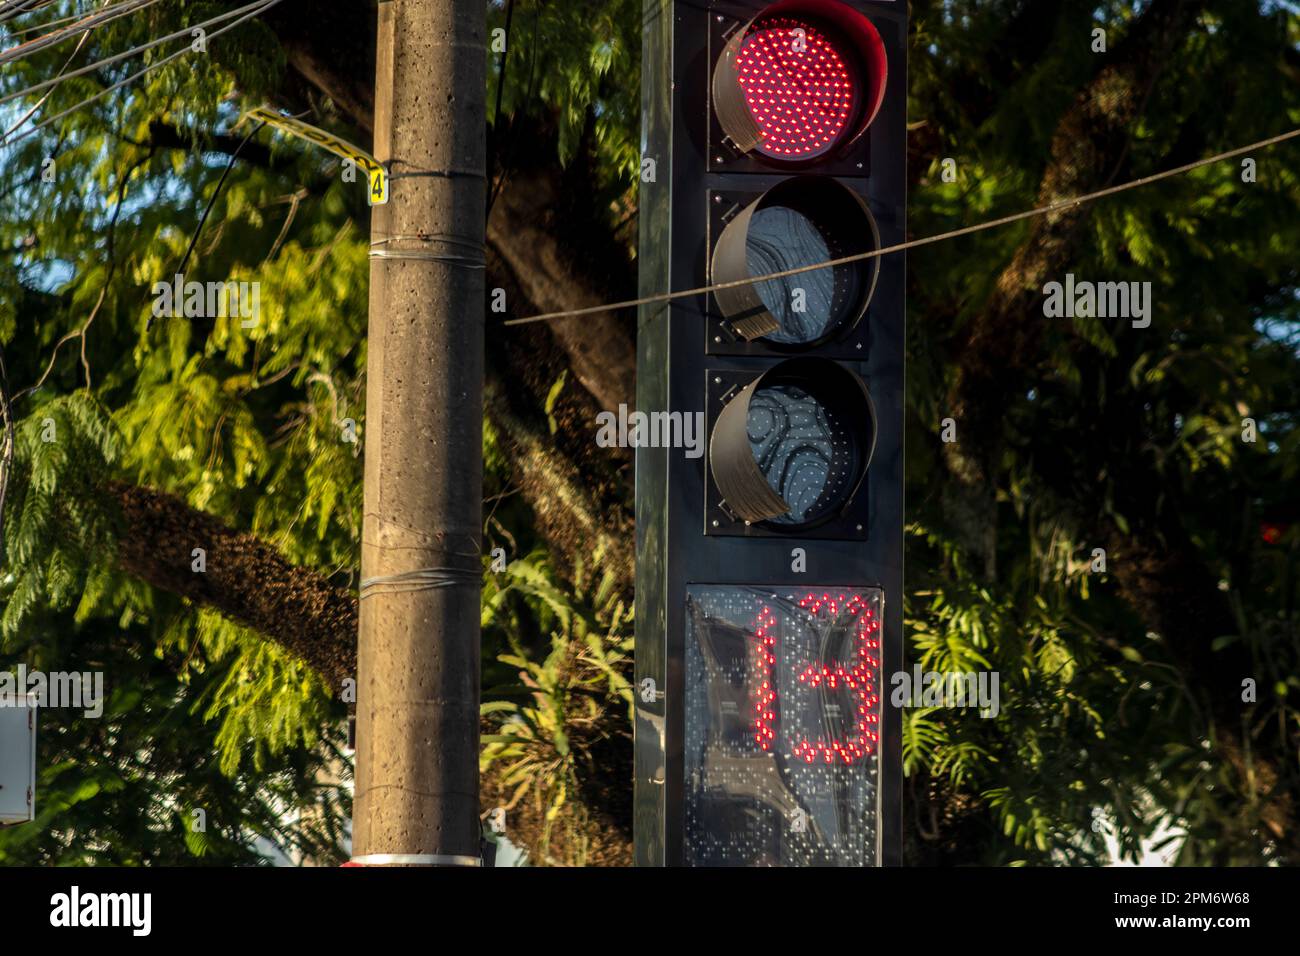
(798, 87)
(859, 677)
(1271, 532)
(763, 719)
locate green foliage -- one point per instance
(121, 789)
(1097, 735)
(243, 423)
(552, 718)
(247, 424)
(577, 65)
(56, 540)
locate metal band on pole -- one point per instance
(416, 859)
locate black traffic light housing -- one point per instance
(755, 432)
(769, 569)
(848, 37)
(798, 222)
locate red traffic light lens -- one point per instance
(800, 80)
(798, 85)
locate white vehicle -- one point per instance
(18, 761)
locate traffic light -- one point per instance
(769, 572)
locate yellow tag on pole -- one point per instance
(375, 172)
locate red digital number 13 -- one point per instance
(858, 678)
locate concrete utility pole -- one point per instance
(418, 656)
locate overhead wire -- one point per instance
(18, 7)
(261, 6)
(41, 102)
(36, 28)
(6, 415)
(1057, 206)
(96, 18)
(212, 201)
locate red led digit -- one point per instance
(764, 714)
(858, 677)
(798, 87)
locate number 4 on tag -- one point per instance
(378, 194)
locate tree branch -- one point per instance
(164, 135)
(246, 579)
(1088, 145)
(600, 348)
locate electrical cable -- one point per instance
(261, 7)
(41, 102)
(914, 243)
(9, 31)
(90, 21)
(108, 61)
(416, 859)
(18, 7)
(212, 201)
(421, 579)
(474, 256)
(466, 261)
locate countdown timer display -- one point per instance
(782, 726)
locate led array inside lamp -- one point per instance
(797, 85)
(859, 677)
